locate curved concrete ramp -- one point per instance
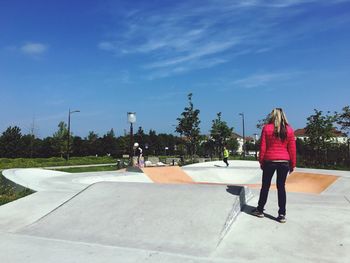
(239, 172)
(167, 218)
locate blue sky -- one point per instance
(106, 58)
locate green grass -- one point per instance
(89, 169)
(7, 163)
(9, 193)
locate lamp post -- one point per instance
(349, 149)
(131, 120)
(68, 138)
(243, 146)
(256, 150)
(146, 148)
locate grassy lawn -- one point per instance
(9, 193)
(7, 163)
(89, 169)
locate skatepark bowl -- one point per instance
(194, 213)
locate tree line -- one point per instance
(317, 149)
(321, 146)
(14, 144)
(325, 142)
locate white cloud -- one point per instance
(107, 46)
(206, 50)
(176, 38)
(169, 96)
(263, 79)
(284, 3)
(33, 49)
(193, 65)
(55, 102)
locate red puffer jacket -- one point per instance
(273, 148)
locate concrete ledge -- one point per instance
(190, 219)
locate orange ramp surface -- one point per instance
(167, 175)
(309, 182)
(299, 182)
(296, 182)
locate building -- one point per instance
(338, 136)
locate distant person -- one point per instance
(226, 155)
(138, 153)
(277, 153)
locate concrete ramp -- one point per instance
(185, 219)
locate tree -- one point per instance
(109, 143)
(232, 144)
(262, 122)
(93, 143)
(319, 130)
(188, 126)
(10, 142)
(343, 119)
(140, 137)
(47, 148)
(219, 133)
(79, 146)
(60, 139)
(29, 144)
(152, 142)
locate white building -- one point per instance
(338, 136)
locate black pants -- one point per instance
(225, 161)
(269, 169)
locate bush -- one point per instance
(7, 163)
(10, 193)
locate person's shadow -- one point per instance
(245, 208)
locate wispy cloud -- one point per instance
(53, 117)
(55, 102)
(208, 49)
(177, 37)
(166, 96)
(179, 69)
(263, 79)
(34, 49)
(105, 45)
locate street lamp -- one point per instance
(146, 148)
(256, 150)
(242, 114)
(68, 139)
(131, 120)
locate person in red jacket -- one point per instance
(277, 153)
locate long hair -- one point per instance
(279, 119)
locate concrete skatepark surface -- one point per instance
(200, 213)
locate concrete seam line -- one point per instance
(131, 249)
(347, 199)
(235, 211)
(244, 196)
(248, 195)
(58, 207)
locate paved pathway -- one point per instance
(125, 217)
